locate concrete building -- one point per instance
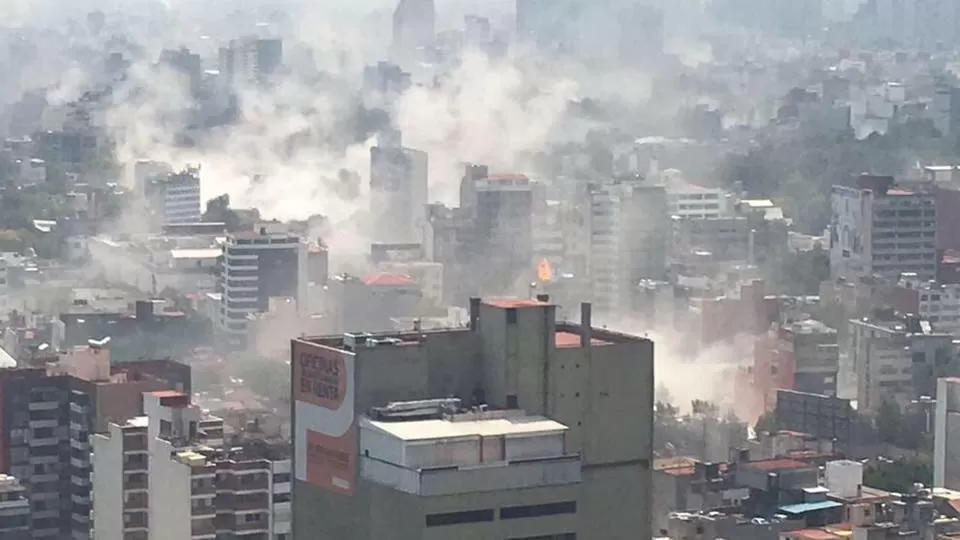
(946, 442)
(878, 228)
(398, 190)
(14, 509)
(810, 349)
(48, 413)
(170, 475)
(499, 213)
(628, 238)
(175, 197)
(413, 28)
(258, 266)
(894, 358)
(932, 301)
(581, 466)
(251, 60)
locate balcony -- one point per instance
(135, 481)
(135, 465)
(43, 405)
(202, 527)
(136, 443)
(517, 474)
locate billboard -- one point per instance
(824, 417)
(325, 427)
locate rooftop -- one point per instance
(508, 303)
(202, 253)
(775, 465)
(570, 340)
(803, 508)
(384, 279)
(426, 430)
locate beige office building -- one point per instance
(547, 435)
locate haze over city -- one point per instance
(506, 270)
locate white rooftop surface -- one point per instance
(425, 430)
(199, 253)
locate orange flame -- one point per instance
(544, 272)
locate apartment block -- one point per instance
(894, 358)
(171, 475)
(879, 228)
(48, 414)
(547, 433)
(629, 233)
(946, 442)
(258, 266)
(176, 196)
(14, 509)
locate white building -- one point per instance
(692, 201)
(258, 266)
(176, 197)
(888, 359)
(629, 230)
(880, 229)
(169, 476)
(938, 303)
(946, 442)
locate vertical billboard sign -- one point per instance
(325, 433)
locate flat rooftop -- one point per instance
(507, 303)
(571, 340)
(427, 430)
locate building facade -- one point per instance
(171, 475)
(398, 191)
(579, 381)
(880, 229)
(258, 266)
(628, 236)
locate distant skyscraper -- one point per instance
(251, 60)
(629, 229)
(398, 187)
(500, 212)
(413, 27)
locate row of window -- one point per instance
(507, 512)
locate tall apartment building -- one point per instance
(258, 266)
(413, 27)
(893, 358)
(251, 60)
(629, 234)
(881, 229)
(499, 212)
(175, 197)
(548, 433)
(946, 442)
(14, 509)
(48, 414)
(398, 190)
(170, 475)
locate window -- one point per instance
(281, 497)
(551, 509)
(561, 536)
(280, 478)
(454, 518)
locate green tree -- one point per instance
(889, 422)
(900, 475)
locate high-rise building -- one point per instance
(14, 509)
(258, 266)
(398, 190)
(946, 442)
(629, 234)
(499, 209)
(879, 228)
(176, 196)
(413, 27)
(50, 412)
(251, 60)
(170, 475)
(547, 435)
(893, 358)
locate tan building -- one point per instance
(559, 444)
